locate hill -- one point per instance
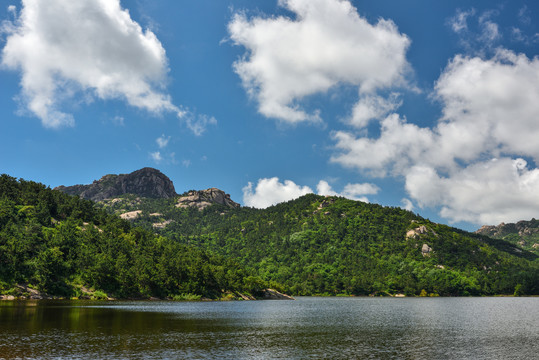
(57, 244)
(331, 245)
(524, 234)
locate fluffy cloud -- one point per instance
(373, 107)
(499, 190)
(327, 44)
(471, 163)
(271, 191)
(350, 191)
(63, 47)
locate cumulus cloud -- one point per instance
(271, 191)
(373, 107)
(491, 192)
(407, 204)
(472, 162)
(350, 191)
(64, 47)
(325, 45)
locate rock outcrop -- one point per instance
(204, 198)
(524, 234)
(271, 294)
(522, 228)
(146, 182)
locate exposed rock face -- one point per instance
(204, 198)
(522, 228)
(414, 233)
(131, 215)
(146, 182)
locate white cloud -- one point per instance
(156, 156)
(407, 204)
(373, 107)
(490, 111)
(64, 47)
(350, 191)
(162, 141)
(270, 192)
(489, 29)
(197, 123)
(491, 192)
(459, 23)
(186, 163)
(326, 45)
(478, 36)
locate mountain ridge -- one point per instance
(524, 233)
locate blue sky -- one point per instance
(427, 105)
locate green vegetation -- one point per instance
(524, 234)
(315, 245)
(59, 244)
(328, 246)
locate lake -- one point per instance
(308, 328)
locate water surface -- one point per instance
(309, 328)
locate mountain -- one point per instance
(313, 245)
(331, 245)
(146, 182)
(524, 234)
(52, 243)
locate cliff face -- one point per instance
(146, 182)
(204, 198)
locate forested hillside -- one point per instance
(62, 245)
(318, 245)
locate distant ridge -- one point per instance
(524, 234)
(146, 182)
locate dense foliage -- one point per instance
(317, 245)
(62, 245)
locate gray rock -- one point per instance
(146, 182)
(204, 198)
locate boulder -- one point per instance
(271, 294)
(201, 199)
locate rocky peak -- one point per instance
(146, 182)
(204, 198)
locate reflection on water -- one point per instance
(331, 328)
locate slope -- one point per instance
(62, 245)
(330, 245)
